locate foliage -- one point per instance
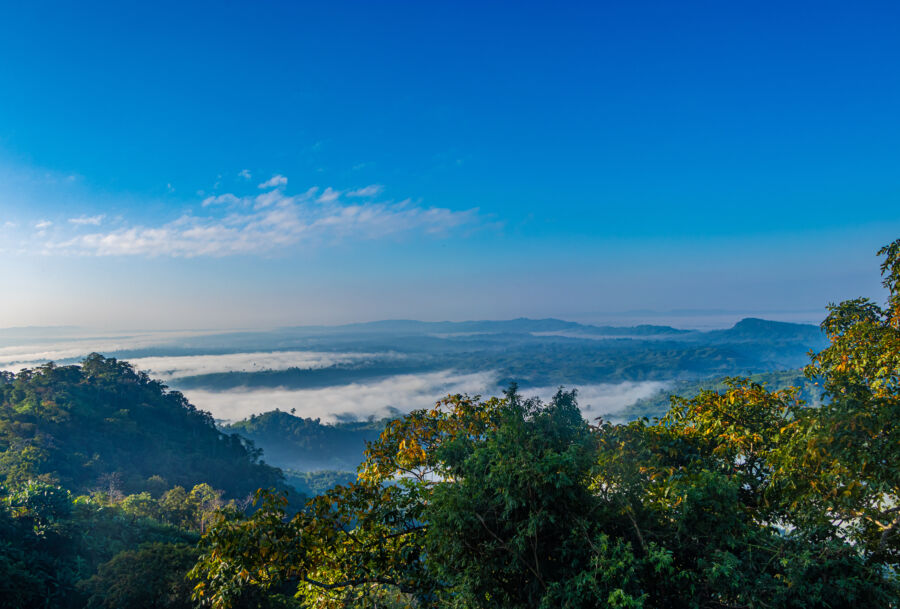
(847, 452)
(151, 577)
(657, 405)
(50, 541)
(515, 522)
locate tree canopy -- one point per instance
(104, 425)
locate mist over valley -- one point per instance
(358, 371)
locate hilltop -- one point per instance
(102, 425)
(304, 444)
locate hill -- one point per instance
(305, 445)
(101, 424)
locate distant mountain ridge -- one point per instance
(748, 327)
(517, 325)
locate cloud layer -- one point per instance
(228, 224)
(31, 353)
(404, 392)
(191, 365)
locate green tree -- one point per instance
(151, 577)
(845, 456)
(141, 505)
(518, 526)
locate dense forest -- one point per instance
(107, 481)
(104, 425)
(776, 491)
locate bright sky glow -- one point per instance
(233, 165)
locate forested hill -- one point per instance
(768, 331)
(301, 444)
(103, 425)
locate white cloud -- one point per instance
(404, 392)
(28, 354)
(9, 224)
(274, 182)
(227, 199)
(245, 173)
(265, 223)
(84, 220)
(372, 190)
(169, 367)
(329, 195)
(42, 224)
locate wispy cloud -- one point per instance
(228, 224)
(87, 220)
(274, 182)
(329, 195)
(245, 173)
(169, 367)
(36, 350)
(373, 190)
(404, 392)
(42, 224)
(228, 199)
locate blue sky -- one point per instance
(231, 164)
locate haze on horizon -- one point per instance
(208, 166)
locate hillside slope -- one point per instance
(104, 425)
(305, 445)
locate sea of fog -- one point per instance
(402, 392)
(371, 397)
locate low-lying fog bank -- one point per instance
(402, 393)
